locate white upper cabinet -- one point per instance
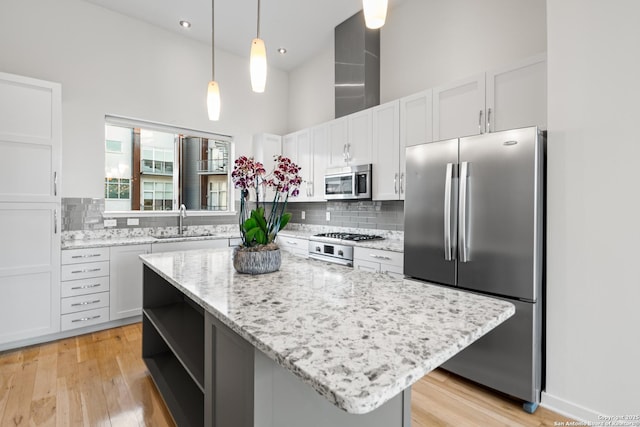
(386, 174)
(517, 95)
(297, 146)
(416, 118)
(458, 108)
(319, 143)
(30, 137)
(350, 139)
(507, 98)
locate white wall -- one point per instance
(593, 312)
(110, 64)
(425, 44)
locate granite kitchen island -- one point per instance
(314, 344)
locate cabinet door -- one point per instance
(319, 144)
(29, 270)
(416, 118)
(458, 108)
(386, 151)
(30, 135)
(297, 146)
(359, 140)
(338, 135)
(517, 95)
(126, 281)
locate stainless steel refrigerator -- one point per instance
(474, 211)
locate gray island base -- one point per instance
(313, 344)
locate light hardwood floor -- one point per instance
(99, 379)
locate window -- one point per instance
(151, 167)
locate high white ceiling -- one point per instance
(301, 26)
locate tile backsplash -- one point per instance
(87, 214)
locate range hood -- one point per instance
(357, 66)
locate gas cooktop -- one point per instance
(354, 237)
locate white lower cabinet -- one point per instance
(294, 245)
(84, 289)
(126, 280)
(379, 261)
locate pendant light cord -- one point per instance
(213, 62)
(258, 31)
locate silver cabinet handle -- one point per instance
(380, 257)
(402, 183)
(344, 152)
(291, 242)
(84, 319)
(91, 270)
(488, 120)
(55, 221)
(95, 285)
(85, 303)
(395, 183)
(85, 256)
(55, 183)
(463, 217)
(448, 235)
(480, 122)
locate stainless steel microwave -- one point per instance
(348, 183)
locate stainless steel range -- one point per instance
(336, 247)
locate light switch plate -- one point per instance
(133, 221)
(110, 222)
(302, 215)
(328, 216)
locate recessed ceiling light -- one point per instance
(282, 50)
(185, 24)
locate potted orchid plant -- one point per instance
(260, 226)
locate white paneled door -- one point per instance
(30, 137)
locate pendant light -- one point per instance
(213, 90)
(375, 13)
(258, 60)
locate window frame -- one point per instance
(161, 127)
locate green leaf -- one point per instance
(251, 234)
(284, 220)
(249, 224)
(261, 236)
(258, 215)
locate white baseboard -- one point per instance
(568, 409)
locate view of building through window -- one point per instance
(153, 170)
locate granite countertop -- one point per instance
(357, 338)
(140, 240)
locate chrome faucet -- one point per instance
(181, 216)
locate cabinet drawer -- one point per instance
(84, 302)
(381, 256)
(293, 243)
(73, 288)
(75, 256)
(84, 318)
(85, 271)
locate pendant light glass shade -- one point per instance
(375, 13)
(213, 100)
(258, 65)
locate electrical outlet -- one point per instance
(133, 221)
(328, 216)
(110, 222)
(302, 215)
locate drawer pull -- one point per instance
(85, 256)
(84, 319)
(291, 242)
(91, 270)
(95, 285)
(85, 303)
(380, 257)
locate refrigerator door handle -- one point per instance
(463, 215)
(448, 244)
